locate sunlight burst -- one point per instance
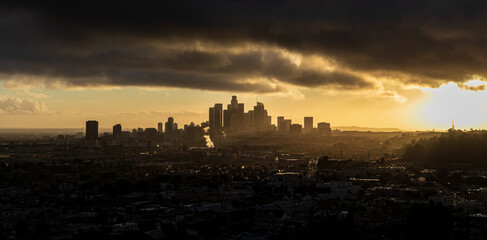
(465, 104)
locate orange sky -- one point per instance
(416, 109)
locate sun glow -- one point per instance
(465, 104)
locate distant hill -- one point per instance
(47, 130)
(366, 129)
(40, 130)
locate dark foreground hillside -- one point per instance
(454, 146)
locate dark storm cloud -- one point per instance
(129, 65)
(114, 43)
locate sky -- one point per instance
(414, 65)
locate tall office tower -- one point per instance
(259, 117)
(234, 102)
(91, 130)
(286, 125)
(324, 129)
(226, 119)
(280, 119)
(248, 120)
(240, 115)
(169, 125)
(308, 124)
(159, 127)
(117, 130)
(267, 121)
(233, 116)
(211, 117)
(218, 109)
(251, 118)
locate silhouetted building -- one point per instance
(211, 117)
(226, 119)
(218, 113)
(323, 162)
(249, 119)
(308, 124)
(91, 130)
(159, 127)
(240, 115)
(91, 134)
(260, 115)
(233, 116)
(280, 119)
(296, 129)
(169, 125)
(324, 129)
(150, 133)
(215, 116)
(171, 129)
(193, 135)
(117, 129)
(233, 108)
(285, 126)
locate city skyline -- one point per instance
(231, 120)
